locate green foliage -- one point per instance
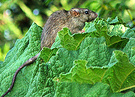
(89, 66)
(16, 16)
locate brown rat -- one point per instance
(74, 19)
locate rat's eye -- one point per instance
(86, 12)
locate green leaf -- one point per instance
(117, 30)
(86, 90)
(94, 50)
(24, 49)
(47, 53)
(57, 42)
(81, 74)
(112, 33)
(116, 42)
(120, 76)
(129, 33)
(71, 89)
(90, 27)
(132, 58)
(70, 42)
(103, 90)
(128, 48)
(117, 20)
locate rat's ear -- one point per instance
(74, 12)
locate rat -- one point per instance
(73, 19)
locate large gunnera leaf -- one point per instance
(97, 63)
(24, 49)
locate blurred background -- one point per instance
(16, 16)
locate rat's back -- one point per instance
(54, 24)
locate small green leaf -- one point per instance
(117, 20)
(117, 30)
(129, 33)
(90, 27)
(47, 53)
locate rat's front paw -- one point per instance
(82, 31)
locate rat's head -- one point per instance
(84, 15)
